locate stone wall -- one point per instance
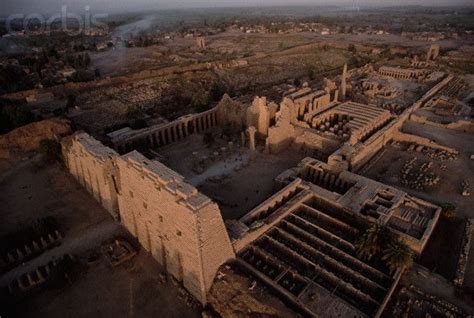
(403, 137)
(92, 164)
(461, 125)
(308, 139)
(258, 116)
(282, 134)
(464, 255)
(180, 227)
(231, 112)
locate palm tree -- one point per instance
(373, 241)
(398, 255)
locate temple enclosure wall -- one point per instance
(181, 228)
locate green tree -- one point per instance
(352, 48)
(71, 101)
(398, 255)
(372, 241)
(13, 116)
(448, 210)
(87, 59)
(217, 91)
(311, 74)
(51, 149)
(200, 100)
(134, 112)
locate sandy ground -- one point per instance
(236, 183)
(435, 285)
(245, 189)
(123, 60)
(30, 190)
(441, 253)
(132, 289)
(387, 168)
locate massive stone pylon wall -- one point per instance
(181, 228)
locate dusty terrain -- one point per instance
(237, 182)
(133, 289)
(33, 189)
(27, 138)
(387, 169)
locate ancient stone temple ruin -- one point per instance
(300, 239)
(312, 224)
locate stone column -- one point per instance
(214, 119)
(251, 131)
(181, 131)
(186, 129)
(344, 82)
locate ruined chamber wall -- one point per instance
(308, 138)
(182, 228)
(282, 134)
(232, 112)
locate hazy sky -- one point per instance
(110, 6)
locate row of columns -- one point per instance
(172, 133)
(400, 75)
(327, 180)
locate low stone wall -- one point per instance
(408, 138)
(462, 125)
(464, 256)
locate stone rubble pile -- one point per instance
(413, 302)
(418, 177)
(433, 153)
(466, 188)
